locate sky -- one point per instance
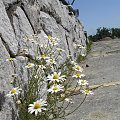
(98, 13)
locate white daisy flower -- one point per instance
(87, 92)
(73, 63)
(55, 77)
(55, 88)
(14, 91)
(18, 102)
(36, 76)
(48, 37)
(78, 68)
(30, 65)
(37, 107)
(50, 61)
(83, 82)
(83, 54)
(78, 75)
(43, 56)
(53, 43)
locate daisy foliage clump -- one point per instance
(48, 92)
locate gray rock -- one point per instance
(22, 28)
(20, 63)
(7, 32)
(6, 71)
(20, 18)
(49, 14)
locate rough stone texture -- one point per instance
(6, 70)
(6, 31)
(104, 67)
(20, 18)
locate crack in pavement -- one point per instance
(92, 87)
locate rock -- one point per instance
(6, 71)
(49, 16)
(7, 3)
(21, 18)
(6, 31)
(22, 28)
(20, 63)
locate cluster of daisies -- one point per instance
(55, 80)
(78, 75)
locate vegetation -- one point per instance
(47, 94)
(82, 57)
(89, 45)
(105, 32)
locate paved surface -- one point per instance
(104, 67)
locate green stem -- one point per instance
(75, 108)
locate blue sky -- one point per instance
(98, 13)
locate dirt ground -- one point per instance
(103, 66)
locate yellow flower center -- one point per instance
(87, 91)
(78, 68)
(60, 49)
(10, 59)
(55, 88)
(37, 105)
(78, 74)
(29, 65)
(51, 60)
(13, 91)
(49, 37)
(82, 81)
(56, 76)
(53, 42)
(43, 56)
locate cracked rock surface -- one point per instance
(20, 18)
